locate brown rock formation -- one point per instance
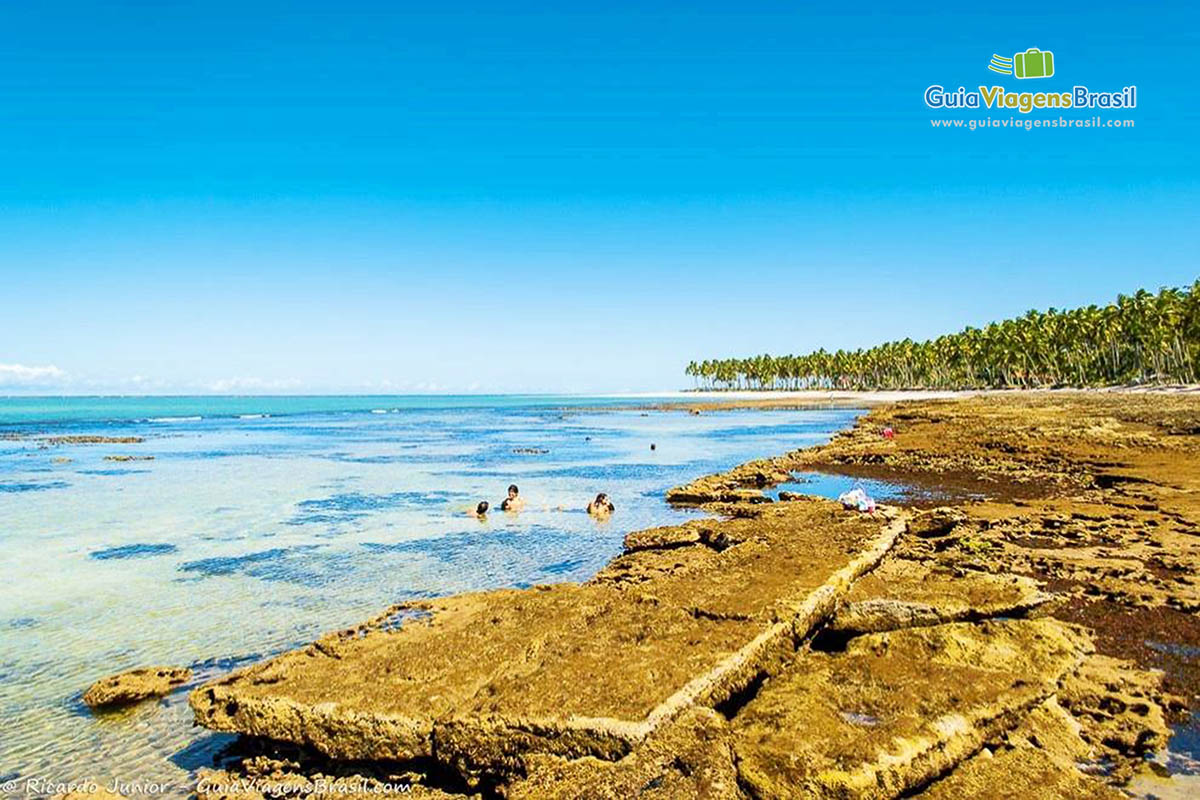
(1039, 758)
(898, 709)
(135, 685)
(692, 757)
(902, 593)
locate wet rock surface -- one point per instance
(1107, 510)
(903, 593)
(135, 685)
(1120, 711)
(1097, 497)
(693, 757)
(1040, 758)
(742, 484)
(792, 649)
(897, 709)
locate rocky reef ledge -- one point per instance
(773, 650)
(135, 685)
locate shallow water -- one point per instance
(1178, 773)
(826, 484)
(831, 484)
(262, 522)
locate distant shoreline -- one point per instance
(726, 400)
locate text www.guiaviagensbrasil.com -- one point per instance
(1018, 123)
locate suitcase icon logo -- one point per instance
(1033, 63)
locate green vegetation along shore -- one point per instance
(1141, 338)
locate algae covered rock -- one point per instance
(742, 484)
(903, 593)
(935, 522)
(1121, 710)
(1039, 758)
(897, 709)
(135, 685)
(691, 758)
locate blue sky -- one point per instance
(279, 197)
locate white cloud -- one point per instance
(22, 375)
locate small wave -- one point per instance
(132, 551)
(174, 419)
(13, 488)
(253, 416)
(379, 411)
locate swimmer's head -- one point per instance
(505, 504)
(601, 499)
(482, 508)
(513, 490)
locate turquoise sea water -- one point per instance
(40, 411)
(247, 525)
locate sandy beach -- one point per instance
(734, 399)
(1023, 624)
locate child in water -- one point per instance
(481, 510)
(601, 506)
(514, 502)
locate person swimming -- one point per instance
(514, 501)
(601, 506)
(482, 509)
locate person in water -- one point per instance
(601, 506)
(514, 501)
(481, 509)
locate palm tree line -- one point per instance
(1141, 338)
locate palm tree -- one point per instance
(1139, 338)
